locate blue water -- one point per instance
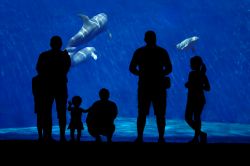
(222, 25)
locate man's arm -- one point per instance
(39, 64)
(167, 64)
(115, 111)
(133, 64)
(84, 110)
(68, 60)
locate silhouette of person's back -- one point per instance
(197, 83)
(52, 68)
(151, 63)
(101, 116)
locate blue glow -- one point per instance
(177, 131)
(223, 28)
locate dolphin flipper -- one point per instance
(84, 18)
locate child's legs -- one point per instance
(72, 134)
(79, 134)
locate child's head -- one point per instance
(104, 94)
(196, 63)
(77, 100)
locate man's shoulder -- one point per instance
(140, 51)
(45, 53)
(112, 102)
(145, 48)
(161, 48)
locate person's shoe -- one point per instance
(48, 139)
(139, 140)
(72, 140)
(194, 141)
(161, 140)
(98, 139)
(109, 140)
(203, 138)
(63, 139)
(40, 139)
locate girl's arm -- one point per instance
(206, 84)
(84, 110)
(187, 84)
(70, 106)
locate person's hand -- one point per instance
(203, 68)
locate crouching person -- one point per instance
(101, 116)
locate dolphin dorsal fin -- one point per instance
(84, 18)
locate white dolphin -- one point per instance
(187, 43)
(83, 55)
(90, 29)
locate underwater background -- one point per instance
(223, 27)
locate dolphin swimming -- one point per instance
(82, 55)
(91, 28)
(187, 43)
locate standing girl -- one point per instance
(197, 83)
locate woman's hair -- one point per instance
(196, 63)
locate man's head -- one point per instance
(104, 94)
(56, 42)
(150, 38)
(196, 63)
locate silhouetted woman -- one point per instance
(197, 83)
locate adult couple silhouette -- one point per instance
(151, 63)
(50, 84)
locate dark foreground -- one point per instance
(122, 151)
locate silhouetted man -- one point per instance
(52, 68)
(151, 63)
(101, 116)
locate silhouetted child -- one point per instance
(101, 116)
(197, 83)
(76, 117)
(44, 118)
